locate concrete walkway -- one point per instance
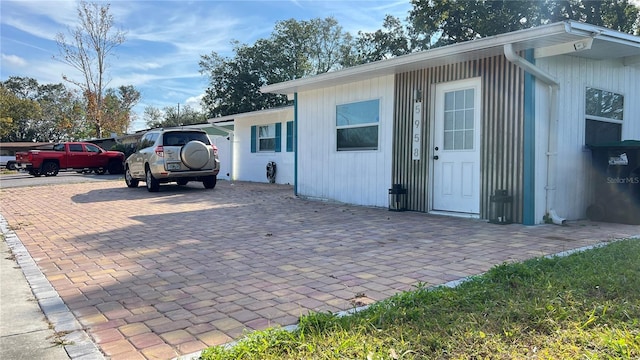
(24, 330)
(160, 275)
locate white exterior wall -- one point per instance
(248, 166)
(573, 186)
(225, 154)
(355, 177)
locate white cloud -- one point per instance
(13, 60)
(195, 102)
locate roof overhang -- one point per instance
(563, 38)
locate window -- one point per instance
(266, 138)
(148, 140)
(75, 147)
(458, 120)
(357, 125)
(92, 149)
(604, 115)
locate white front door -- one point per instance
(456, 147)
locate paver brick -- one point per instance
(175, 292)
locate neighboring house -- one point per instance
(8, 151)
(454, 124)
(258, 138)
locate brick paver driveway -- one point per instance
(158, 275)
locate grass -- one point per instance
(582, 306)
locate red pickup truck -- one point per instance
(79, 156)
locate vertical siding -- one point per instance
(356, 177)
(501, 129)
(573, 184)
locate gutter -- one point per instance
(552, 146)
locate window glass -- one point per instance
(604, 104)
(458, 120)
(604, 116)
(358, 138)
(148, 140)
(75, 147)
(92, 148)
(602, 132)
(357, 125)
(181, 138)
(266, 137)
(58, 147)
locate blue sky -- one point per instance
(165, 38)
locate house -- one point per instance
(258, 139)
(453, 125)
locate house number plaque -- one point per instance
(416, 143)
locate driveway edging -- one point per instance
(76, 341)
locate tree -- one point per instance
(92, 41)
(173, 116)
(294, 50)
(117, 108)
(34, 112)
(390, 41)
(441, 22)
(153, 117)
(15, 114)
(62, 117)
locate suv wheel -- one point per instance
(152, 184)
(209, 182)
(129, 180)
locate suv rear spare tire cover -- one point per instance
(195, 154)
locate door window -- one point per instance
(458, 120)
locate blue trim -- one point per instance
(295, 144)
(253, 138)
(529, 146)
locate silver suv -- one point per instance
(179, 155)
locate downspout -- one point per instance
(552, 146)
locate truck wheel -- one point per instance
(11, 165)
(129, 180)
(210, 182)
(114, 167)
(152, 183)
(50, 168)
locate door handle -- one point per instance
(435, 157)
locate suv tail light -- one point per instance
(215, 150)
(160, 151)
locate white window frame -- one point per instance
(591, 117)
(375, 123)
(271, 134)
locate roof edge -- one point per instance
(389, 66)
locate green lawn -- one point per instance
(582, 306)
